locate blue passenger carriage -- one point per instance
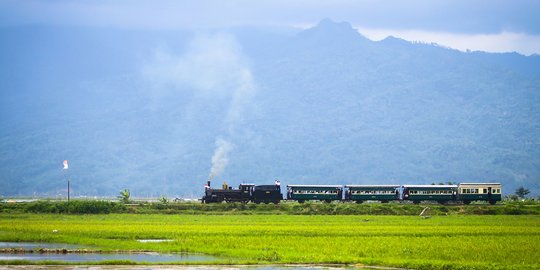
(302, 193)
(362, 193)
(439, 193)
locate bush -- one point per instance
(74, 207)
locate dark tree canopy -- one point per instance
(522, 192)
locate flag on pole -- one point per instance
(65, 164)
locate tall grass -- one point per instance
(440, 242)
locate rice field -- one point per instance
(439, 242)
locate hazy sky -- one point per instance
(490, 25)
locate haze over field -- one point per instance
(160, 107)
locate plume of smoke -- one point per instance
(214, 66)
(220, 158)
(242, 95)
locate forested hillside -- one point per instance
(147, 110)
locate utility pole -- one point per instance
(66, 167)
(68, 187)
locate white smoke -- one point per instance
(241, 97)
(215, 67)
(220, 158)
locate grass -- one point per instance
(290, 208)
(440, 242)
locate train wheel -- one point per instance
(359, 202)
(384, 201)
(327, 201)
(301, 201)
(416, 202)
(466, 202)
(492, 202)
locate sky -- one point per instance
(488, 25)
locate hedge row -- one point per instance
(313, 208)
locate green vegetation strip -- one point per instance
(439, 242)
(289, 208)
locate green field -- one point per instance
(440, 242)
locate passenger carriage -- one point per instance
(439, 193)
(490, 192)
(302, 193)
(362, 193)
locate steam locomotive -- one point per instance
(245, 193)
(461, 193)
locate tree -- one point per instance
(522, 192)
(124, 196)
(163, 200)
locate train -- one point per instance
(460, 193)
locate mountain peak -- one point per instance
(331, 25)
(327, 29)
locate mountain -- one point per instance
(147, 110)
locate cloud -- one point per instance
(461, 16)
(456, 17)
(501, 42)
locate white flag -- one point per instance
(65, 164)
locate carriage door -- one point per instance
(489, 192)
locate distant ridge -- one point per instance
(328, 106)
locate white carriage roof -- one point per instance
(431, 186)
(322, 186)
(480, 184)
(366, 186)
